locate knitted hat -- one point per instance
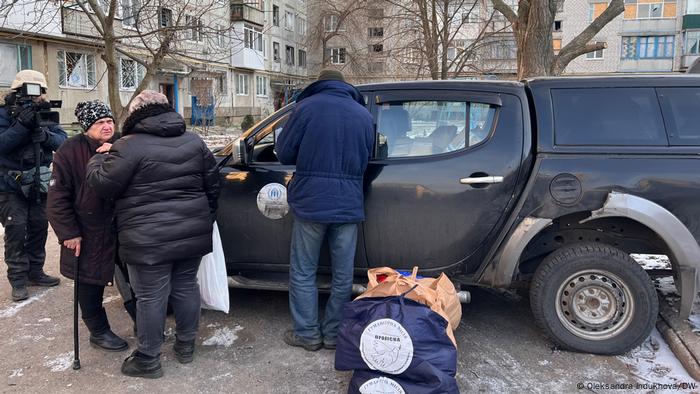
(330, 74)
(145, 98)
(89, 112)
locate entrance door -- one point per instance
(169, 92)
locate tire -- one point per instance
(593, 298)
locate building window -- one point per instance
(276, 51)
(131, 74)
(557, 25)
(166, 17)
(638, 9)
(289, 20)
(376, 68)
(595, 9)
(301, 26)
(472, 13)
(692, 7)
(302, 58)
(595, 54)
(221, 35)
(242, 85)
(222, 84)
(376, 14)
(647, 47)
(501, 49)
(338, 56)
(375, 32)
(692, 43)
(253, 38)
(130, 10)
(330, 23)
(261, 86)
(76, 70)
(275, 15)
(376, 48)
(289, 55)
(194, 32)
(15, 58)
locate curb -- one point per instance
(683, 342)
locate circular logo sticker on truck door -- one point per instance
(381, 385)
(386, 346)
(272, 201)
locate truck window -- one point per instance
(680, 106)
(607, 116)
(423, 128)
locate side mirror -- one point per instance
(239, 154)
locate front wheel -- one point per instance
(593, 298)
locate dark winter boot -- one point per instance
(139, 365)
(19, 293)
(184, 351)
(41, 279)
(101, 336)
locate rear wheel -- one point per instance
(593, 298)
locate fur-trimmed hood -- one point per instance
(155, 119)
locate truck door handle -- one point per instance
(481, 179)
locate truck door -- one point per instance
(442, 180)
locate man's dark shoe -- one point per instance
(41, 279)
(329, 343)
(20, 293)
(139, 365)
(184, 351)
(108, 341)
(292, 339)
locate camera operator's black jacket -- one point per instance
(165, 184)
(17, 149)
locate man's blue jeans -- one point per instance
(307, 238)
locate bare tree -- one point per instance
(147, 32)
(444, 38)
(532, 28)
(338, 21)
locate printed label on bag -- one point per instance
(272, 201)
(386, 346)
(381, 385)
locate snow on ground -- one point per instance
(59, 363)
(14, 308)
(653, 261)
(223, 337)
(654, 362)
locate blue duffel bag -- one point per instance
(395, 336)
(371, 382)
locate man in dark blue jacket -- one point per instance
(329, 137)
(23, 215)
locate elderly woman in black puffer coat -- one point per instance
(165, 184)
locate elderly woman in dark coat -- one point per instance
(83, 221)
(165, 184)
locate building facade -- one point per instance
(220, 65)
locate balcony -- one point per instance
(241, 12)
(75, 22)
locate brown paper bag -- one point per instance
(437, 294)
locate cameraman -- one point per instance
(22, 207)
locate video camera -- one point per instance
(24, 98)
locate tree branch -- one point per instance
(503, 8)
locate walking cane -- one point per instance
(76, 344)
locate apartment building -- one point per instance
(221, 64)
(384, 42)
(651, 36)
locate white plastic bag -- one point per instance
(213, 281)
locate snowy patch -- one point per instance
(223, 337)
(219, 377)
(654, 362)
(653, 261)
(2, 230)
(44, 320)
(60, 363)
(12, 310)
(110, 299)
(666, 286)
(16, 373)
(543, 362)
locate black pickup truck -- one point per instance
(548, 184)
